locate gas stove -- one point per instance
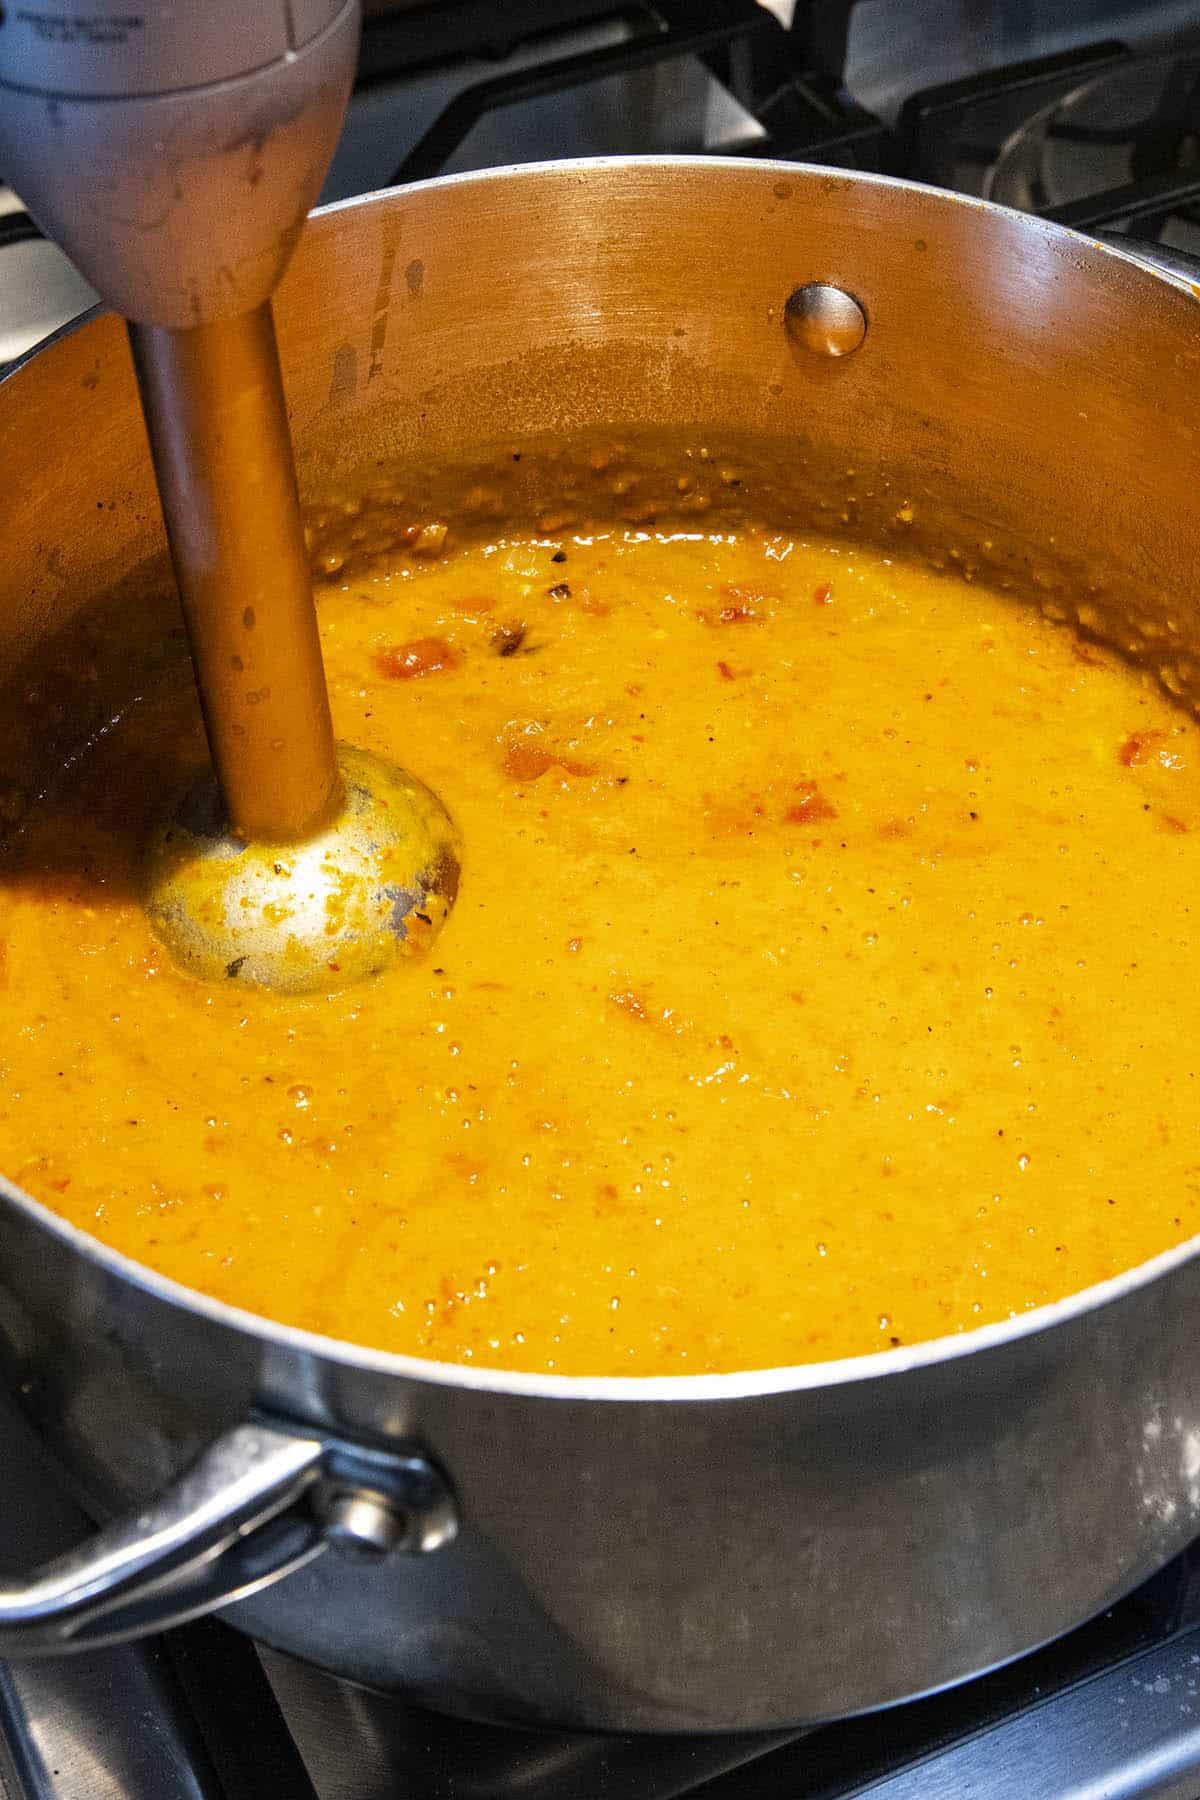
(1083, 111)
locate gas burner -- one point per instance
(1122, 148)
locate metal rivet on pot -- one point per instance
(363, 1524)
(824, 319)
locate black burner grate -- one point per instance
(791, 80)
(788, 79)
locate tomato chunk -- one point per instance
(418, 657)
(811, 805)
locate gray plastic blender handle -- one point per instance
(174, 151)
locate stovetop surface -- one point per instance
(1020, 102)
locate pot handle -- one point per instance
(258, 1503)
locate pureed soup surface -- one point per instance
(821, 978)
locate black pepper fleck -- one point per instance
(506, 640)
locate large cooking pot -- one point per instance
(652, 1554)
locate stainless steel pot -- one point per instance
(689, 1553)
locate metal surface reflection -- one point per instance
(108, 1725)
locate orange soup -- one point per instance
(820, 980)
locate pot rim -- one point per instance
(761, 165)
(737, 1385)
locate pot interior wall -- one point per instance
(1022, 395)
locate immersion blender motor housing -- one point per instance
(174, 151)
